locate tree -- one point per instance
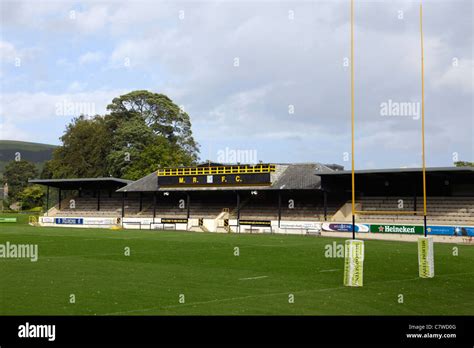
(16, 175)
(31, 197)
(160, 153)
(86, 144)
(164, 117)
(464, 164)
(47, 171)
(123, 143)
(129, 140)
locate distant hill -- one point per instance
(33, 152)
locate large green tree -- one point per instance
(86, 144)
(160, 114)
(142, 132)
(160, 153)
(129, 139)
(16, 175)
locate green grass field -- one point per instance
(90, 263)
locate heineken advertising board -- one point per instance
(401, 229)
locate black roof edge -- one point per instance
(399, 170)
(73, 180)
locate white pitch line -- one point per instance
(260, 277)
(220, 300)
(268, 294)
(92, 239)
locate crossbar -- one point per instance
(388, 212)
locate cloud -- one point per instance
(91, 57)
(458, 76)
(9, 131)
(8, 52)
(42, 117)
(44, 107)
(91, 20)
(289, 53)
(77, 86)
(12, 55)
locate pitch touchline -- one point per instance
(272, 294)
(253, 278)
(222, 300)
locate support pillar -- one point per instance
(123, 204)
(47, 200)
(414, 198)
(188, 202)
(238, 212)
(279, 208)
(325, 200)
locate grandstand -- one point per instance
(287, 198)
(450, 197)
(442, 209)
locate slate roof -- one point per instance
(403, 170)
(298, 177)
(286, 177)
(148, 183)
(82, 182)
